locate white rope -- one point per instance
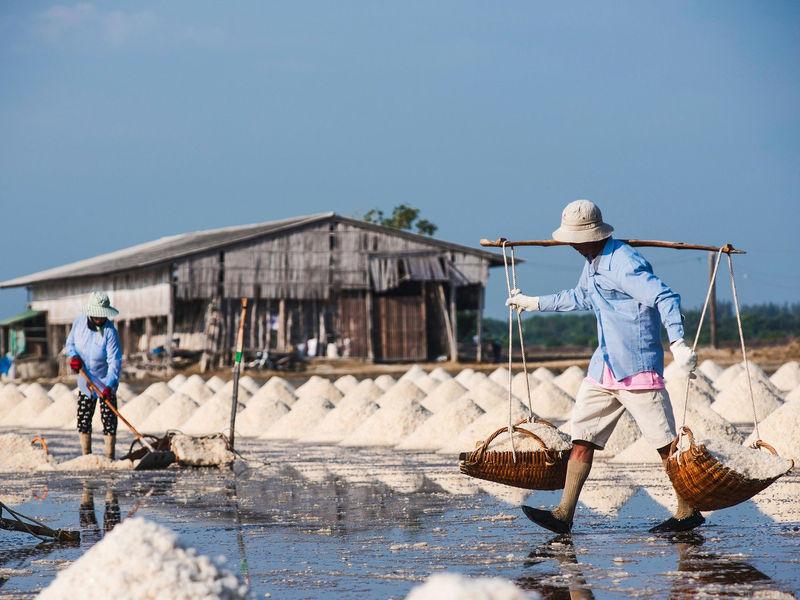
(741, 340)
(510, 348)
(697, 334)
(521, 344)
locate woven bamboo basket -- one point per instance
(706, 483)
(543, 469)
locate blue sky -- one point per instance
(126, 121)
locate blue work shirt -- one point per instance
(629, 302)
(99, 350)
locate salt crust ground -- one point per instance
(445, 586)
(140, 560)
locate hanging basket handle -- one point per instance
(478, 454)
(673, 447)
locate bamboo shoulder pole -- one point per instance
(727, 248)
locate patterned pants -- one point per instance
(86, 412)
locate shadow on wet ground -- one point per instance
(313, 522)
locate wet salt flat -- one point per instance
(314, 521)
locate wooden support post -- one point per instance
(712, 303)
(454, 320)
(148, 332)
(448, 325)
(368, 311)
(268, 333)
(479, 334)
(281, 345)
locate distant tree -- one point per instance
(403, 217)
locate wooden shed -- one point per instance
(375, 292)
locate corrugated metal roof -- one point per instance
(23, 316)
(167, 249)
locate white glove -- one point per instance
(521, 302)
(683, 355)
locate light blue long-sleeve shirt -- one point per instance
(99, 350)
(630, 303)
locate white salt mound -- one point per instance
(343, 420)
(500, 376)
(95, 462)
(35, 390)
(427, 383)
(212, 417)
(640, 451)
(794, 395)
(250, 384)
(27, 412)
(319, 387)
(401, 391)
(781, 429)
(385, 382)
(215, 383)
(734, 403)
(753, 464)
(484, 426)
(196, 389)
(306, 413)
(57, 390)
(570, 380)
(138, 409)
(464, 375)
(139, 560)
(787, 377)
(447, 586)
(413, 373)
(367, 389)
(61, 412)
(274, 391)
(543, 374)
(707, 423)
(17, 454)
(176, 382)
(551, 402)
(440, 374)
(125, 392)
(172, 413)
(389, 425)
(442, 426)
(443, 395)
(259, 416)
(159, 390)
(226, 391)
(209, 451)
(9, 398)
(626, 432)
(701, 390)
(520, 389)
(552, 437)
(476, 379)
(710, 369)
(345, 383)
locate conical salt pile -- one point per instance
(319, 387)
(172, 413)
(413, 373)
(625, 433)
(488, 398)
(464, 375)
(125, 392)
(138, 409)
(250, 384)
(781, 429)
(259, 416)
(401, 391)
(35, 390)
(18, 454)
(389, 425)
(426, 383)
(787, 377)
(159, 391)
(701, 390)
(710, 369)
(196, 389)
(306, 413)
(9, 398)
(276, 389)
(443, 395)
(366, 388)
(58, 389)
(61, 412)
(226, 393)
(519, 387)
(345, 383)
(500, 376)
(641, 451)
(571, 380)
(544, 374)
(734, 404)
(705, 423)
(27, 412)
(440, 374)
(794, 395)
(442, 426)
(349, 414)
(484, 426)
(215, 383)
(213, 416)
(176, 382)
(551, 402)
(476, 379)
(727, 376)
(385, 382)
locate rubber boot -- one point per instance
(109, 441)
(86, 443)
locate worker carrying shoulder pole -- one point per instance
(93, 343)
(626, 371)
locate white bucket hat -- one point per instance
(582, 221)
(99, 306)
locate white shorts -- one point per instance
(598, 409)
